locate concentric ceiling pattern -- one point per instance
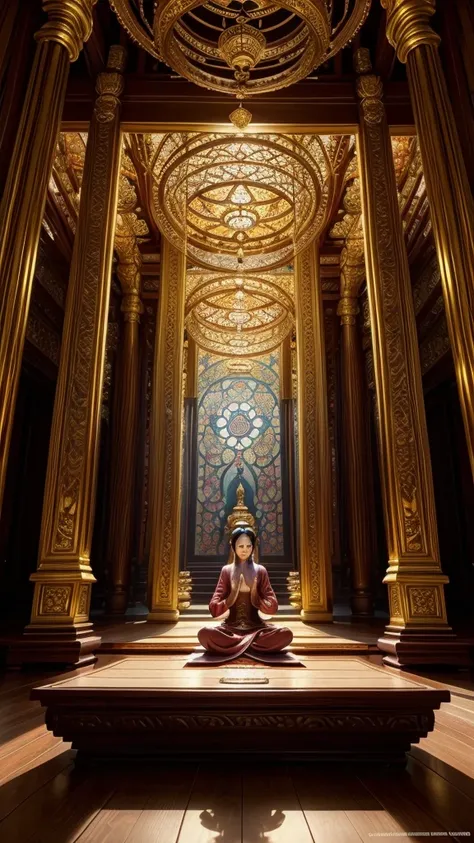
(242, 47)
(239, 315)
(241, 203)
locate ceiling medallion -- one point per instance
(239, 316)
(242, 48)
(240, 220)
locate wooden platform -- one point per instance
(140, 637)
(331, 708)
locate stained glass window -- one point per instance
(238, 442)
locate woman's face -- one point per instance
(243, 548)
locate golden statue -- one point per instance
(240, 517)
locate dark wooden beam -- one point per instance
(385, 57)
(96, 47)
(149, 101)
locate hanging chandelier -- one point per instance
(242, 47)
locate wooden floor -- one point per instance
(44, 798)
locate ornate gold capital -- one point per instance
(369, 88)
(69, 23)
(128, 272)
(129, 275)
(131, 307)
(109, 85)
(348, 309)
(408, 24)
(370, 91)
(352, 268)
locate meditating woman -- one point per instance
(243, 589)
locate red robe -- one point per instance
(243, 629)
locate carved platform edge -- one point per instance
(287, 735)
(141, 721)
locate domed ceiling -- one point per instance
(241, 203)
(242, 315)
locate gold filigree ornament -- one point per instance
(246, 203)
(238, 315)
(240, 118)
(242, 48)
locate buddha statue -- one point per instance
(242, 591)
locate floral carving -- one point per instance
(110, 86)
(370, 90)
(423, 602)
(55, 599)
(403, 410)
(81, 370)
(350, 722)
(83, 603)
(395, 607)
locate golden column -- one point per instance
(447, 184)
(166, 439)
(60, 630)
(357, 463)
(418, 632)
(314, 467)
(124, 429)
(190, 368)
(60, 41)
(287, 404)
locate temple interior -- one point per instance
(236, 305)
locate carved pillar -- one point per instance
(166, 439)
(60, 630)
(418, 632)
(124, 430)
(189, 448)
(314, 466)
(21, 212)
(357, 466)
(287, 404)
(447, 184)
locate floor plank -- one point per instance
(72, 816)
(23, 785)
(117, 818)
(215, 808)
(162, 817)
(26, 820)
(271, 810)
(402, 804)
(440, 797)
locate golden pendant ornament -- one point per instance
(240, 118)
